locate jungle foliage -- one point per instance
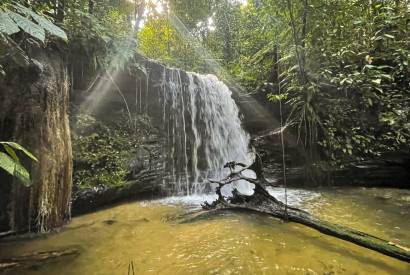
(103, 150)
(98, 31)
(341, 67)
(20, 26)
(94, 37)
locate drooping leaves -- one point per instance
(20, 148)
(7, 163)
(7, 25)
(11, 152)
(43, 22)
(28, 26)
(22, 174)
(30, 22)
(14, 168)
(48, 26)
(11, 164)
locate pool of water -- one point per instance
(173, 236)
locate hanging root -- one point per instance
(261, 201)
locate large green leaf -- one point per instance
(28, 26)
(48, 26)
(11, 152)
(7, 163)
(7, 25)
(14, 169)
(20, 148)
(22, 174)
(43, 22)
(21, 9)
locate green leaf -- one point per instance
(377, 81)
(11, 152)
(7, 25)
(21, 9)
(379, 89)
(49, 26)
(22, 174)
(28, 26)
(43, 22)
(370, 101)
(7, 163)
(20, 148)
(14, 169)
(387, 76)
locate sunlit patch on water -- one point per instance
(194, 201)
(228, 242)
(295, 197)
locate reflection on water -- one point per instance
(162, 238)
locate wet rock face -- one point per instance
(269, 148)
(33, 112)
(390, 171)
(148, 157)
(195, 116)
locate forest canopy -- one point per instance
(341, 67)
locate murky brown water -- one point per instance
(151, 235)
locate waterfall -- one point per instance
(203, 130)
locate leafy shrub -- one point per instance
(102, 151)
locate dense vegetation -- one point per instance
(103, 150)
(342, 67)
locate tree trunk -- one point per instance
(33, 112)
(90, 6)
(139, 9)
(262, 201)
(298, 43)
(60, 11)
(304, 32)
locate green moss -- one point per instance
(102, 150)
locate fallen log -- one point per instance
(35, 259)
(261, 201)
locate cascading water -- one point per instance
(203, 129)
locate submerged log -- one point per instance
(261, 201)
(36, 259)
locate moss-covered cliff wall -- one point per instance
(34, 100)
